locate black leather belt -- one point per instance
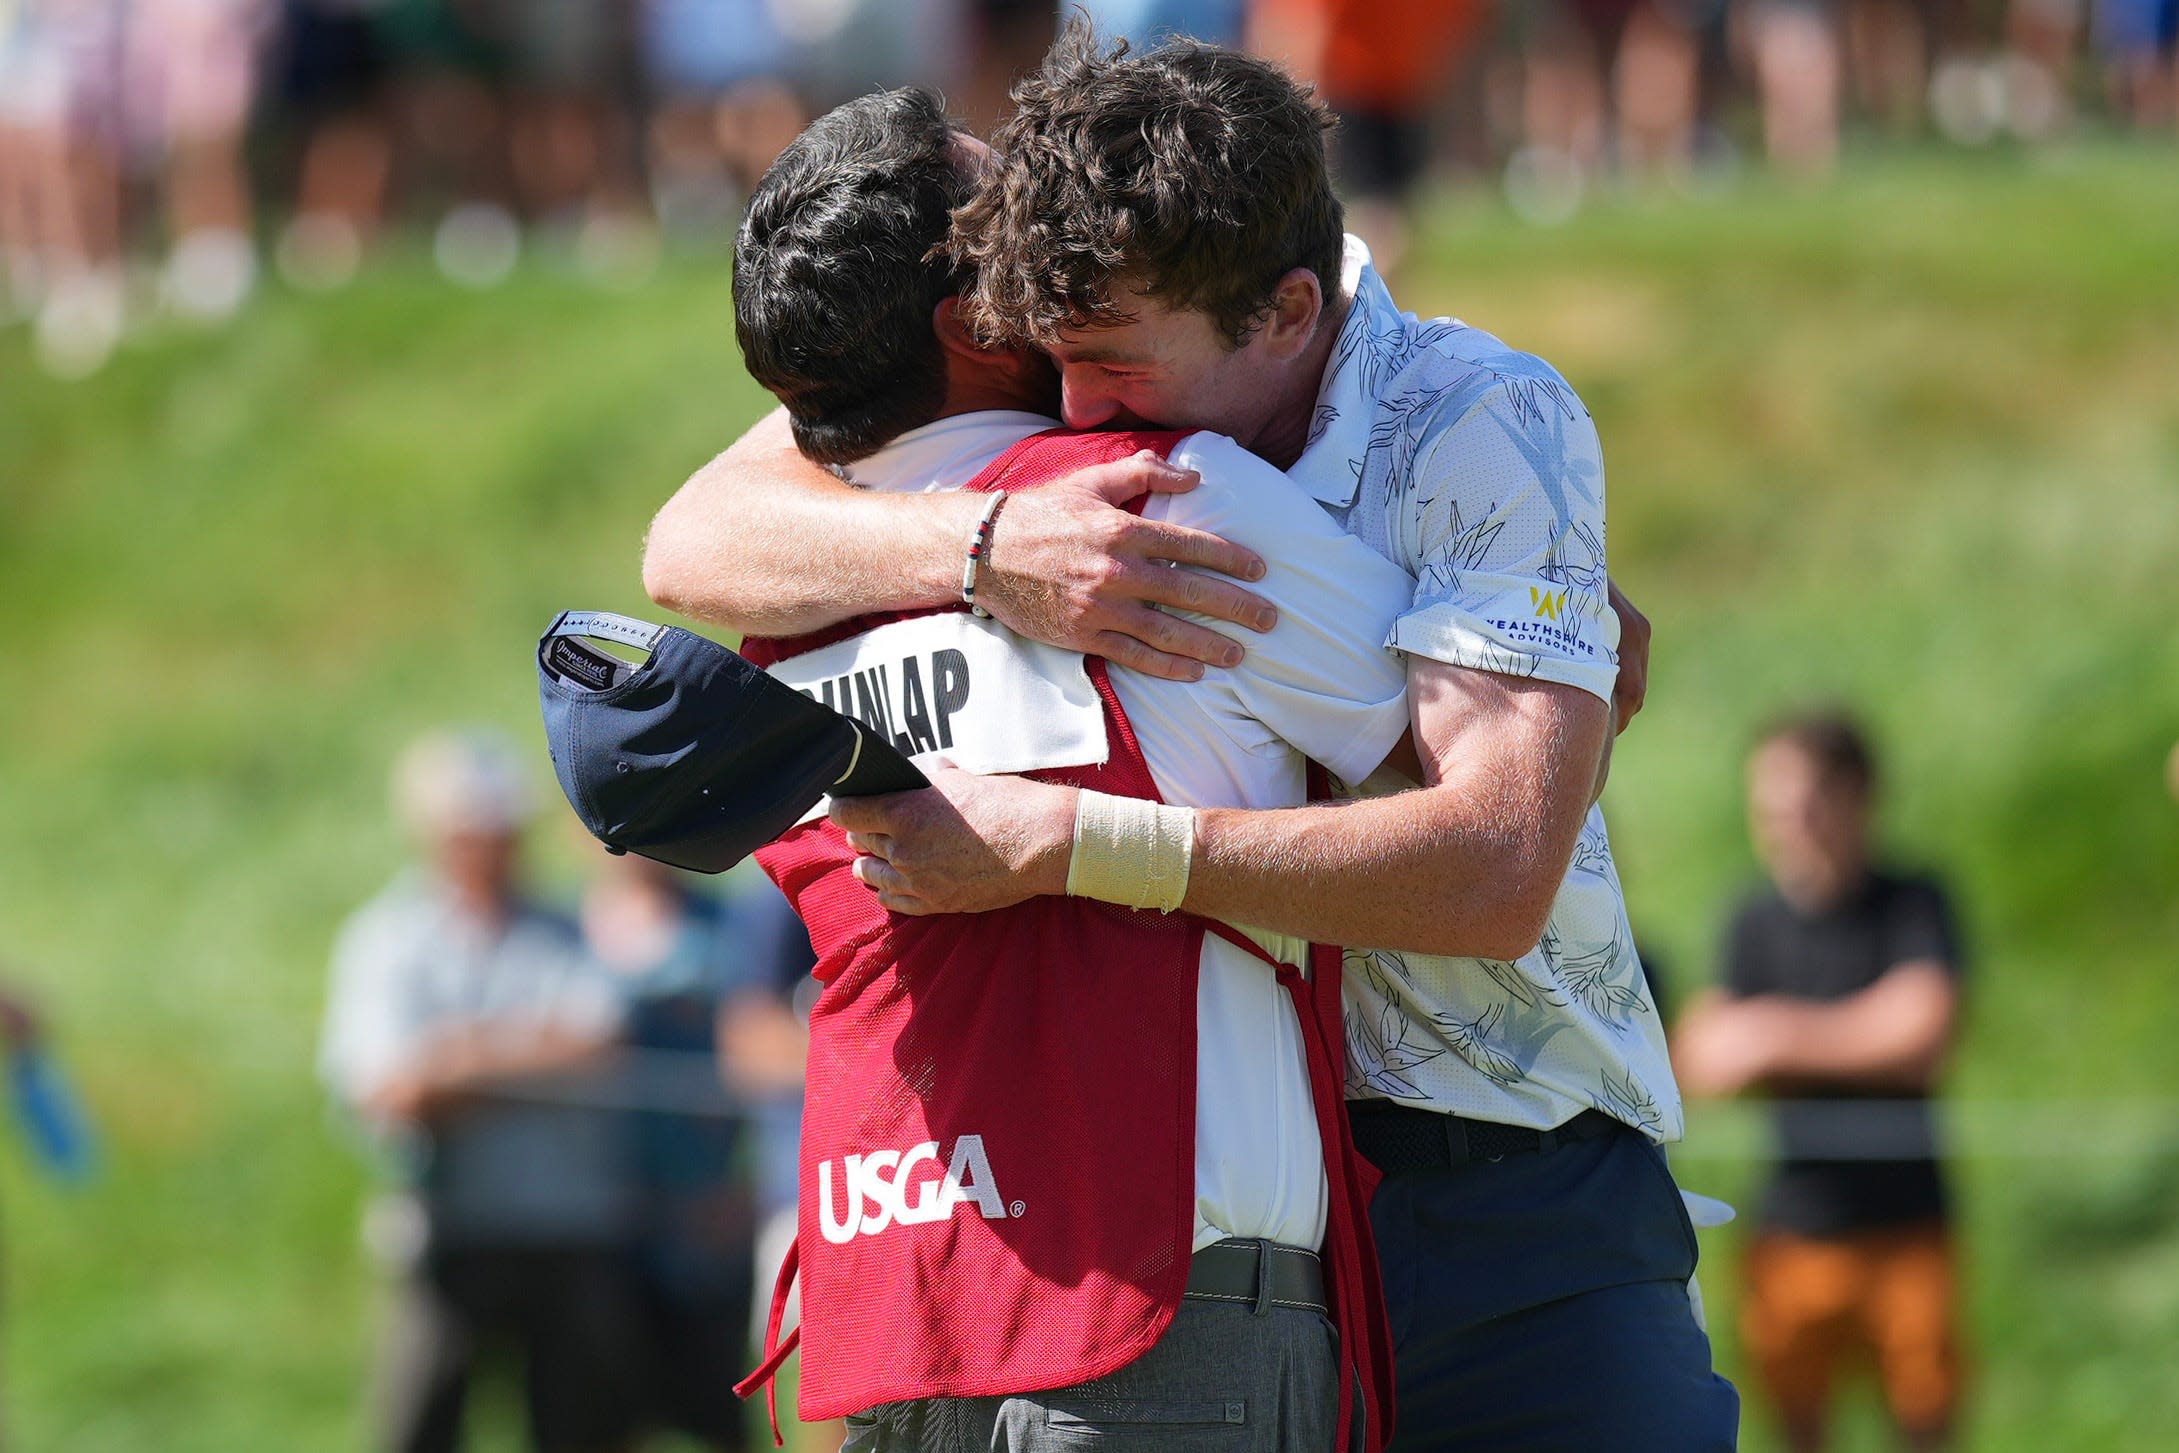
(1397, 1138)
(1259, 1274)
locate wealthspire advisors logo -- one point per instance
(877, 1189)
(1550, 604)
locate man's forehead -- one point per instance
(1119, 343)
(1148, 333)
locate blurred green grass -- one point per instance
(1910, 441)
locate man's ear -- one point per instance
(1296, 307)
(956, 338)
(952, 329)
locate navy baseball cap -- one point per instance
(693, 756)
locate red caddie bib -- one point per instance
(997, 1166)
(998, 1143)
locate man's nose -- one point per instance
(1082, 404)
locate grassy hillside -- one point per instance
(1912, 441)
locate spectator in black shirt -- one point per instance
(1839, 999)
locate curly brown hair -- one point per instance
(1192, 173)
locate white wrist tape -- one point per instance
(1130, 851)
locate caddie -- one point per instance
(1163, 226)
(1069, 1169)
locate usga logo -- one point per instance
(878, 1185)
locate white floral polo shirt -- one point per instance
(1476, 469)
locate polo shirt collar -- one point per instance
(1330, 464)
(945, 453)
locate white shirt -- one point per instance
(1476, 469)
(412, 964)
(1319, 685)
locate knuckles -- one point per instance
(1108, 530)
(1103, 572)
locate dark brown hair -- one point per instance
(838, 266)
(1193, 173)
(1831, 739)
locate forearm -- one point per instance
(1422, 871)
(1468, 864)
(1892, 1035)
(464, 1063)
(1825, 1050)
(524, 1055)
(762, 541)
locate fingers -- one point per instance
(1209, 595)
(872, 844)
(1158, 644)
(1156, 540)
(1121, 480)
(891, 888)
(1632, 687)
(1173, 636)
(879, 874)
(1122, 650)
(866, 814)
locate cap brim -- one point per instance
(878, 766)
(698, 757)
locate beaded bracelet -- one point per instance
(979, 547)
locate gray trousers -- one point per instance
(1221, 1378)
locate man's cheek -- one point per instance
(1165, 408)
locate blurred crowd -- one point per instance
(156, 154)
(587, 1120)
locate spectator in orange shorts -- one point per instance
(1384, 66)
(1839, 999)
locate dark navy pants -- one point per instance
(1539, 1305)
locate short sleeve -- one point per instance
(1320, 682)
(1919, 928)
(368, 1027)
(1503, 520)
